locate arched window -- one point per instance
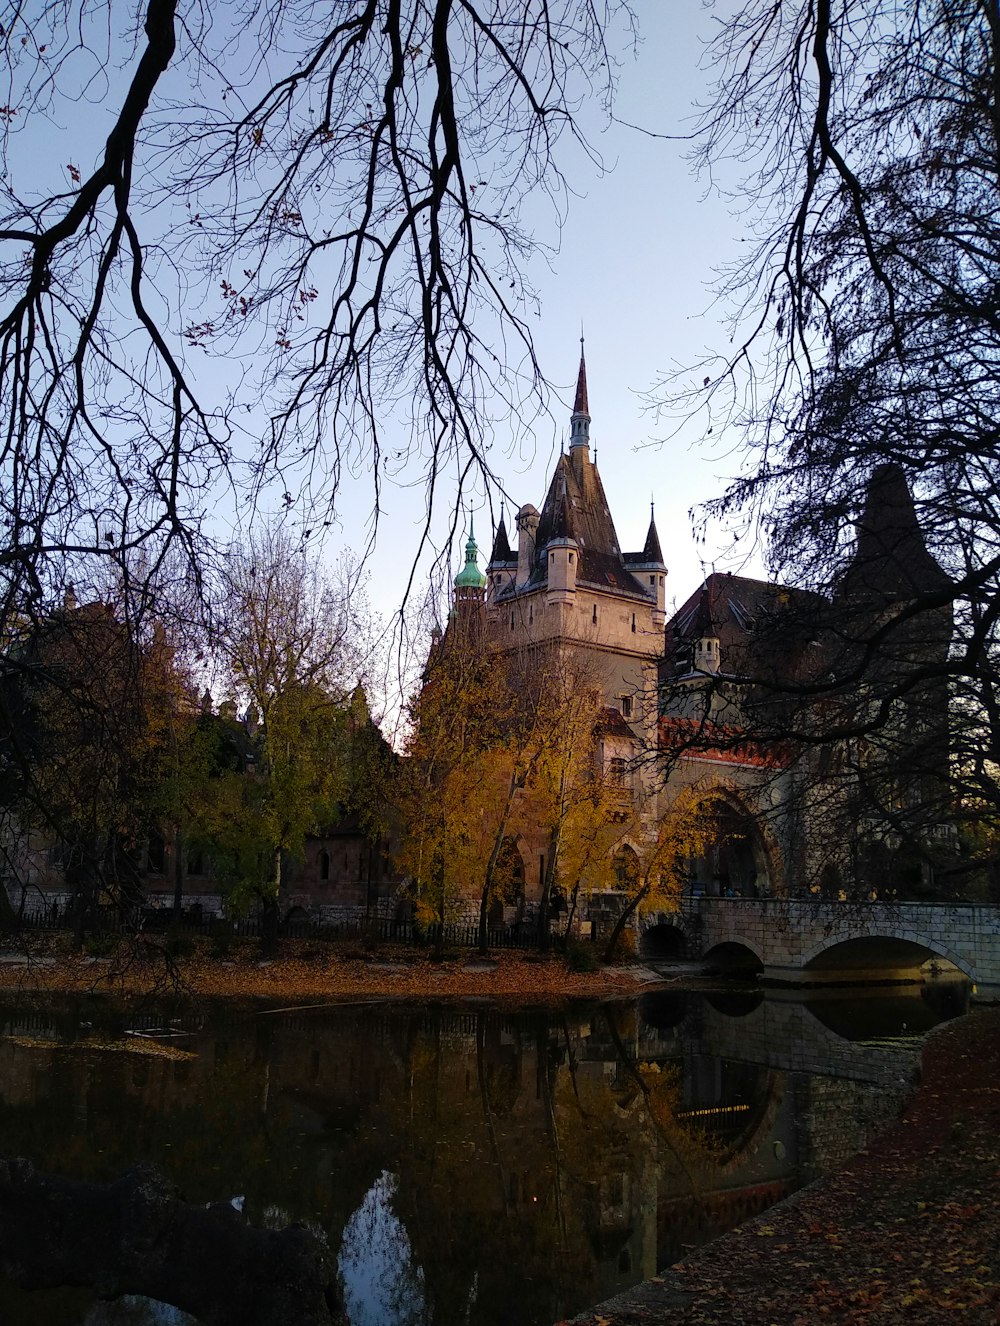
(626, 865)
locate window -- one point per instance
(571, 559)
(324, 865)
(626, 867)
(594, 615)
(633, 623)
(652, 580)
(617, 768)
(156, 850)
(626, 706)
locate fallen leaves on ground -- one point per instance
(305, 971)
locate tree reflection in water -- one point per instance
(133, 1310)
(466, 1167)
(380, 1283)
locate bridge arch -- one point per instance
(880, 948)
(663, 935)
(735, 956)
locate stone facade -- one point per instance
(696, 704)
(565, 590)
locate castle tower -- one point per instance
(573, 589)
(470, 587)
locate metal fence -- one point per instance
(361, 930)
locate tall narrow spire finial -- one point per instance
(580, 405)
(579, 428)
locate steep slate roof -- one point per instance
(502, 551)
(891, 560)
(580, 403)
(575, 507)
(762, 628)
(651, 552)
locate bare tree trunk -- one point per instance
(544, 937)
(623, 920)
(270, 911)
(571, 911)
(491, 866)
(180, 870)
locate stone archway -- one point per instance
(743, 859)
(508, 885)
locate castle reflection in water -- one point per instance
(465, 1165)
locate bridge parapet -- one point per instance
(801, 941)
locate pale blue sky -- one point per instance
(636, 258)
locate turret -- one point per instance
(562, 558)
(650, 570)
(527, 526)
(579, 424)
(470, 581)
(707, 654)
(502, 567)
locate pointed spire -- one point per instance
(502, 551)
(891, 559)
(580, 404)
(579, 427)
(651, 551)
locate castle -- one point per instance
(804, 733)
(698, 705)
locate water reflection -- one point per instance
(381, 1285)
(460, 1160)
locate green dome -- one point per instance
(470, 576)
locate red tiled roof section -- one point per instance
(693, 739)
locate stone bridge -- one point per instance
(801, 942)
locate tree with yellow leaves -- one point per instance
(657, 883)
(584, 812)
(504, 745)
(473, 743)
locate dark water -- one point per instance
(467, 1167)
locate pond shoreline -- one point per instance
(907, 1230)
(304, 971)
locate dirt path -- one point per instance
(908, 1232)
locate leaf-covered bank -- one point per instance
(303, 971)
(908, 1231)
